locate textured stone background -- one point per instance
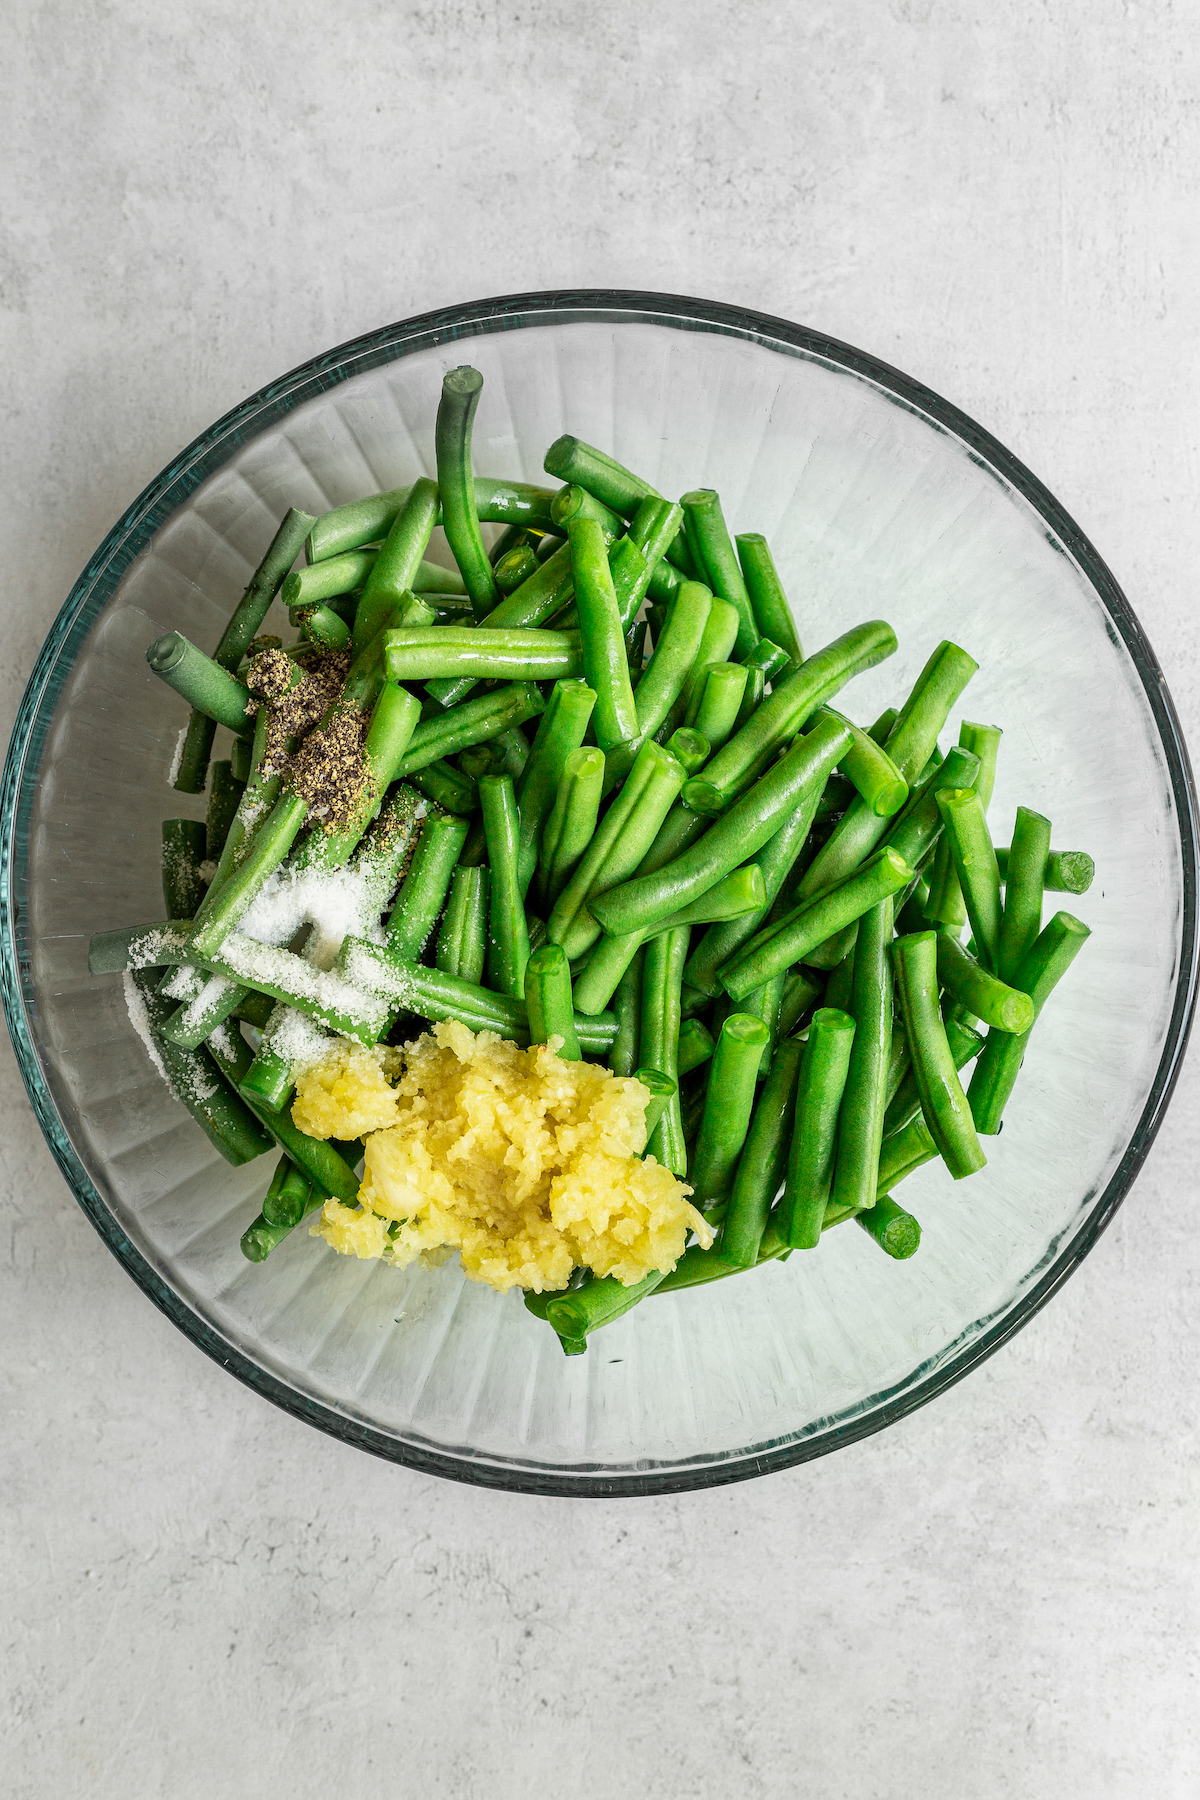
(997, 1597)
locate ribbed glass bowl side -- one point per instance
(880, 501)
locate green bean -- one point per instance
(247, 616)
(194, 1081)
(511, 750)
(434, 995)
(412, 611)
(182, 853)
(260, 1238)
(1042, 968)
(365, 521)
(813, 921)
(663, 680)
(473, 723)
(905, 1101)
(615, 719)
(678, 831)
(452, 444)
(905, 1151)
(713, 553)
(752, 697)
(763, 1161)
(203, 683)
(393, 571)
(338, 575)
(289, 1196)
(570, 459)
(572, 822)
(770, 659)
(911, 915)
(881, 729)
(780, 717)
(860, 1123)
(873, 773)
(910, 743)
(1067, 871)
(716, 646)
(775, 858)
(321, 626)
(728, 1105)
(965, 826)
(462, 940)
(574, 1316)
(264, 853)
(268, 1081)
(445, 651)
(573, 502)
(444, 784)
(942, 1100)
(914, 834)
(894, 1230)
(745, 828)
(697, 1267)
(655, 530)
(772, 614)
(548, 1001)
(508, 932)
(1024, 885)
(627, 1005)
(945, 905)
(539, 598)
(840, 986)
(424, 890)
(514, 567)
(691, 749)
(560, 731)
(138, 947)
(316, 1158)
(822, 1080)
(696, 1045)
(621, 841)
(716, 701)
(658, 1032)
(800, 993)
(740, 892)
(764, 1004)
(662, 1091)
(664, 581)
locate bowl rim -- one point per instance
(208, 452)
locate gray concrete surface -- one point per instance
(998, 1597)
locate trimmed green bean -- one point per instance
(691, 749)
(741, 831)
(658, 1035)
(615, 719)
(1025, 883)
(945, 905)
(570, 459)
(763, 1161)
(905, 1101)
(965, 824)
(394, 569)
(770, 659)
(196, 1084)
(696, 1045)
(713, 553)
(268, 1081)
(548, 1001)
(445, 651)
(894, 1230)
(942, 1099)
(508, 931)
(764, 1003)
(447, 786)
(728, 1105)
(424, 890)
(473, 723)
(203, 683)
(618, 846)
(752, 696)
(321, 626)
(860, 1122)
(778, 718)
(462, 940)
(768, 602)
(627, 1005)
(264, 853)
(289, 1196)
(460, 517)
(560, 732)
(824, 1068)
(914, 834)
(316, 1158)
(539, 598)
(665, 675)
(662, 1091)
(572, 822)
(1042, 968)
(499, 502)
(740, 892)
(393, 724)
(716, 701)
(574, 502)
(514, 567)
(183, 842)
(873, 773)
(1067, 871)
(813, 921)
(574, 1316)
(800, 994)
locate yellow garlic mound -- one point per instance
(528, 1166)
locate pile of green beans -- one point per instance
(607, 802)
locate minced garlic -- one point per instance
(527, 1165)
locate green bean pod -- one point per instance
(713, 553)
(917, 830)
(474, 723)
(603, 636)
(574, 1316)
(821, 1083)
(289, 1196)
(873, 773)
(424, 889)
(538, 599)
(945, 905)
(801, 991)
(696, 1045)
(740, 892)
(942, 1099)
(573, 502)
(763, 1161)
(192, 1078)
(768, 602)
(183, 842)
(1043, 967)
(572, 822)
(860, 1122)
(716, 702)
(394, 569)
(508, 930)
(460, 515)
(895, 1231)
(1067, 871)
(782, 714)
(447, 787)
(904, 1102)
(1025, 884)
(728, 1105)
(627, 1006)
(965, 824)
(691, 749)
(447, 650)
(658, 1034)
(462, 940)
(663, 680)
(324, 1166)
(514, 567)
(548, 1000)
(560, 731)
(365, 521)
(323, 627)
(752, 696)
(202, 682)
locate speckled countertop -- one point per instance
(997, 1597)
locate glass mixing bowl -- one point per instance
(880, 500)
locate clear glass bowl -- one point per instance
(879, 500)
